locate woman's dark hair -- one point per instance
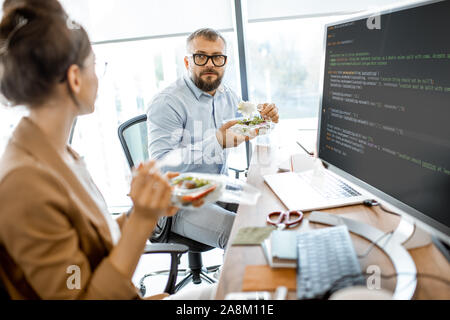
(38, 43)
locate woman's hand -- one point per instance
(150, 192)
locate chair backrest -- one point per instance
(134, 141)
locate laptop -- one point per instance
(314, 189)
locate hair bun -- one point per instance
(18, 13)
(43, 6)
(37, 46)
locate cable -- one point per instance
(328, 293)
(373, 243)
(142, 288)
(373, 203)
(333, 286)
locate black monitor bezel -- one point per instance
(425, 221)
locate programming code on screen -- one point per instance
(386, 105)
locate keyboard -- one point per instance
(325, 256)
(331, 187)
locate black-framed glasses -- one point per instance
(218, 60)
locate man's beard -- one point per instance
(207, 86)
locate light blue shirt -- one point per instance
(184, 117)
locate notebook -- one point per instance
(264, 278)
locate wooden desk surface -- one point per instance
(265, 160)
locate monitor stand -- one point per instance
(410, 234)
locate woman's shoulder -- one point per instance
(29, 182)
(16, 161)
(23, 177)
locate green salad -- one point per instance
(252, 122)
(190, 182)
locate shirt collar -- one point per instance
(198, 92)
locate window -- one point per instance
(143, 43)
(284, 64)
(9, 118)
(107, 20)
(136, 71)
(263, 9)
(285, 46)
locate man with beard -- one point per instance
(190, 115)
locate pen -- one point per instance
(310, 153)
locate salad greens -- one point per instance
(190, 182)
(252, 122)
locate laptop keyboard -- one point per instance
(326, 262)
(331, 188)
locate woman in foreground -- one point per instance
(54, 222)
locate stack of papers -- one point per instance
(298, 163)
(280, 249)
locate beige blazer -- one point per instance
(51, 230)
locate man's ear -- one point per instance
(186, 62)
(74, 78)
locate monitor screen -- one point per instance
(385, 113)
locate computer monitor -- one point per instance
(384, 120)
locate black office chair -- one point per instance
(133, 138)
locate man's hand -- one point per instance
(227, 138)
(269, 111)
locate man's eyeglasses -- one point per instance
(218, 60)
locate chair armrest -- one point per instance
(237, 171)
(165, 248)
(175, 250)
